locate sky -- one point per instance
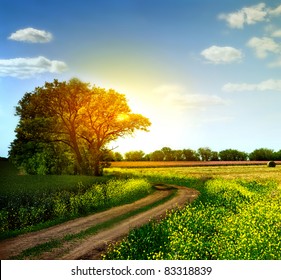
(206, 73)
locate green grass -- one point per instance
(32, 202)
(17, 184)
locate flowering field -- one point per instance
(146, 164)
(233, 218)
(237, 215)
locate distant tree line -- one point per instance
(202, 154)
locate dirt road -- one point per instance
(93, 246)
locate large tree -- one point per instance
(135, 156)
(262, 154)
(205, 153)
(82, 117)
(190, 155)
(232, 155)
(157, 156)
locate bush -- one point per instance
(271, 164)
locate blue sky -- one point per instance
(206, 73)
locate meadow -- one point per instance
(160, 164)
(237, 217)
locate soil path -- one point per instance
(93, 246)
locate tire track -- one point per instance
(93, 246)
(14, 246)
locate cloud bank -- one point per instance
(29, 67)
(222, 55)
(31, 35)
(276, 33)
(271, 84)
(177, 96)
(250, 15)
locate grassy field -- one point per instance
(32, 202)
(255, 172)
(153, 164)
(237, 216)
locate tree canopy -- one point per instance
(78, 119)
(134, 156)
(263, 154)
(232, 155)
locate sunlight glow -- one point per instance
(122, 117)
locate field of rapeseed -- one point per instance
(232, 219)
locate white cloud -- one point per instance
(271, 84)
(275, 64)
(178, 96)
(263, 46)
(276, 11)
(195, 100)
(247, 15)
(222, 55)
(28, 67)
(31, 35)
(276, 33)
(255, 13)
(250, 15)
(234, 20)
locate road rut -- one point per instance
(92, 247)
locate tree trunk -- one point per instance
(97, 168)
(79, 160)
(96, 158)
